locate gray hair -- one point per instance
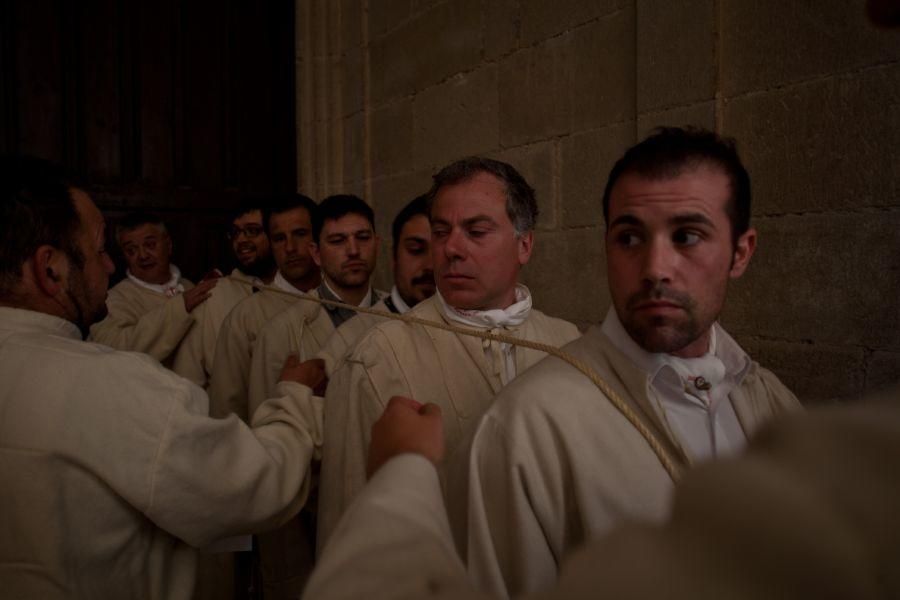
(521, 205)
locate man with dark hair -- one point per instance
(545, 474)
(152, 309)
(289, 223)
(250, 244)
(345, 247)
(482, 213)
(112, 471)
(413, 283)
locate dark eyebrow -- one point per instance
(626, 220)
(691, 219)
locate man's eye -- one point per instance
(686, 238)
(439, 233)
(477, 233)
(278, 238)
(364, 236)
(628, 239)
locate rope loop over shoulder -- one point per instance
(670, 464)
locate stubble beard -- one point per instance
(260, 267)
(664, 334)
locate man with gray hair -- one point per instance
(150, 310)
(482, 219)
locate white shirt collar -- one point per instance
(283, 284)
(25, 320)
(733, 362)
(398, 301)
(511, 316)
(366, 301)
(169, 289)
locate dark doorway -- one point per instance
(178, 106)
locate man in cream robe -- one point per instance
(478, 251)
(112, 471)
(152, 309)
(250, 243)
(290, 235)
(310, 330)
(346, 248)
(808, 512)
(554, 464)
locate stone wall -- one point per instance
(390, 90)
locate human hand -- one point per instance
(406, 426)
(195, 296)
(310, 373)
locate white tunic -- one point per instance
(144, 320)
(112, 469)
(196, 353)
(816, 487)
(555, 464)
(234, 347)
(425, 363)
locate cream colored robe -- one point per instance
(425, 363)
(287, 554)
(196, 353)
(345, 337)
(234, 347)
(554, 464)
(112, 469)
(141, 320)
(809, 512)
(301, 329)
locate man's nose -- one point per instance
(658, 261)
(454, 246)
(352, 246)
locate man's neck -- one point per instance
(354, 295)
(695, 349)
(309, 281)
(163, 278)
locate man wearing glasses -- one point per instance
(250, 243)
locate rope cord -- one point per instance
(669, 464)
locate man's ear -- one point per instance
(743, 251)
(314, 252)
(50, 269)
(525, 243)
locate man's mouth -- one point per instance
(352, 265)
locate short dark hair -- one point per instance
(248, 204)
(418, 206)
(36, 208)
(669, 151)
(135, 219)
(521, 205)
(276, 205)
(335, 207)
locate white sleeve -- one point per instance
(394, 541)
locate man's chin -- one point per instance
(661, 336)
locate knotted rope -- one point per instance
(669, 464)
